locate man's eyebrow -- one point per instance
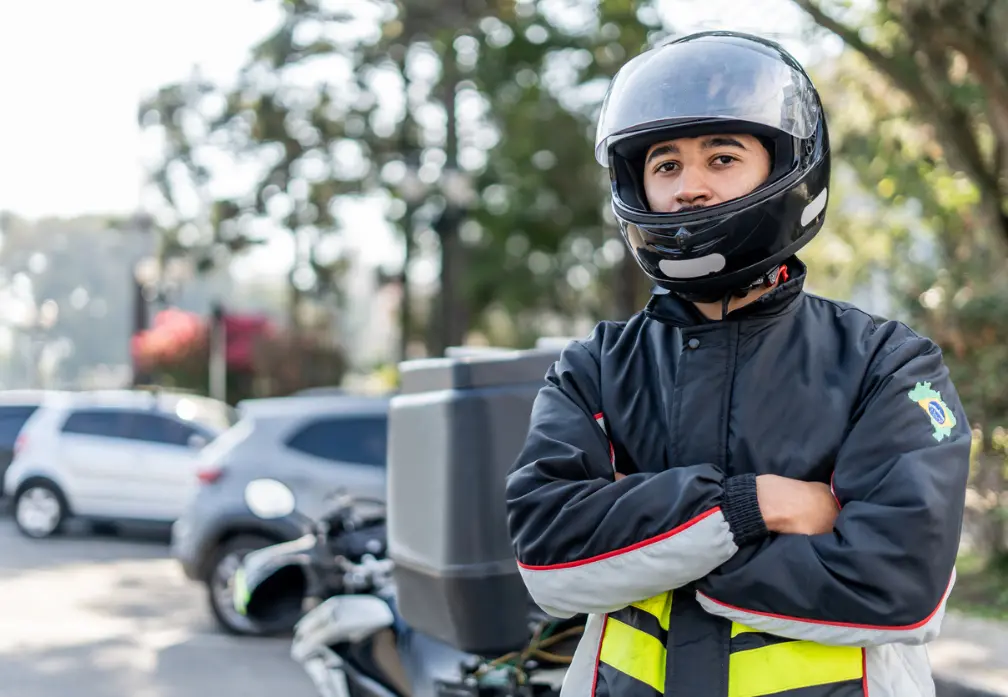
(720, 142)
(708, 143)
(662, 150)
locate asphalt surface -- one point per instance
(113, 616)
(88, 615)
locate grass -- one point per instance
(981, 587)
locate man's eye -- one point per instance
(665, 167)
(724, 159)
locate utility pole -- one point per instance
(141, 322)
(218, 353)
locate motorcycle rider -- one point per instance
(749, 489)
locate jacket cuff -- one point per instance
(741, 509)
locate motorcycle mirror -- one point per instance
(269, 498)
(337, 498)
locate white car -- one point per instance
(110, 456)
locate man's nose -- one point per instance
(693, 190)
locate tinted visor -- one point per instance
(708, 77)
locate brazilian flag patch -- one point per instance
(942, 418)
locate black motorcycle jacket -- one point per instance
(688, 594)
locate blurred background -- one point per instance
(250, 198)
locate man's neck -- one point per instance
(712, 311)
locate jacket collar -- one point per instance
(670, 308)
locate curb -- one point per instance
(955, 687)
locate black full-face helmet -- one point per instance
(702, 84)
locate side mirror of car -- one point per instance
(196, 441)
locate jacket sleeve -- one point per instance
(587, 543)
(884, 573)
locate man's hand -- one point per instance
(795, 507)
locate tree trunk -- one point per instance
(632, 289)
(141, 322)
(452, 317)
(406, 299)
(410, 151)
(453, 312)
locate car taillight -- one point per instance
(209, 475)
(19, 444)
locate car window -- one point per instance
(357, 439)
(110, 423)
(11, 421)
(155, 428)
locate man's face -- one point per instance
(687, 173)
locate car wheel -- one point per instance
(39, 509)
(220, 583)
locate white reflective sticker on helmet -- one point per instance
(692, 268)
(814, 208)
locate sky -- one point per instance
(104, 56)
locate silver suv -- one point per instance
(316, 447)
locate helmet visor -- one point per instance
(713, 77)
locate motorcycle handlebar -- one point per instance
(370, 572)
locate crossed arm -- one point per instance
(769, 552)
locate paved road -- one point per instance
(90, 616)
(970, 657)
(111, 617)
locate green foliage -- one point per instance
(949, 59)
(543, 245)
(920, 115)
(295, 136)
(522, 81)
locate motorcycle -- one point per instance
(359, 646)
(273, 585)
(354, 642)
(444, 611)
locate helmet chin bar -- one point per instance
(766, 280)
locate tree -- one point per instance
(292, 135)
(552, 247)
(470, 98)
(951, 59)
(929, 152)
(523, 239)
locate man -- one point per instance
(748, 489)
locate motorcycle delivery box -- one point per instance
(455, 429)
